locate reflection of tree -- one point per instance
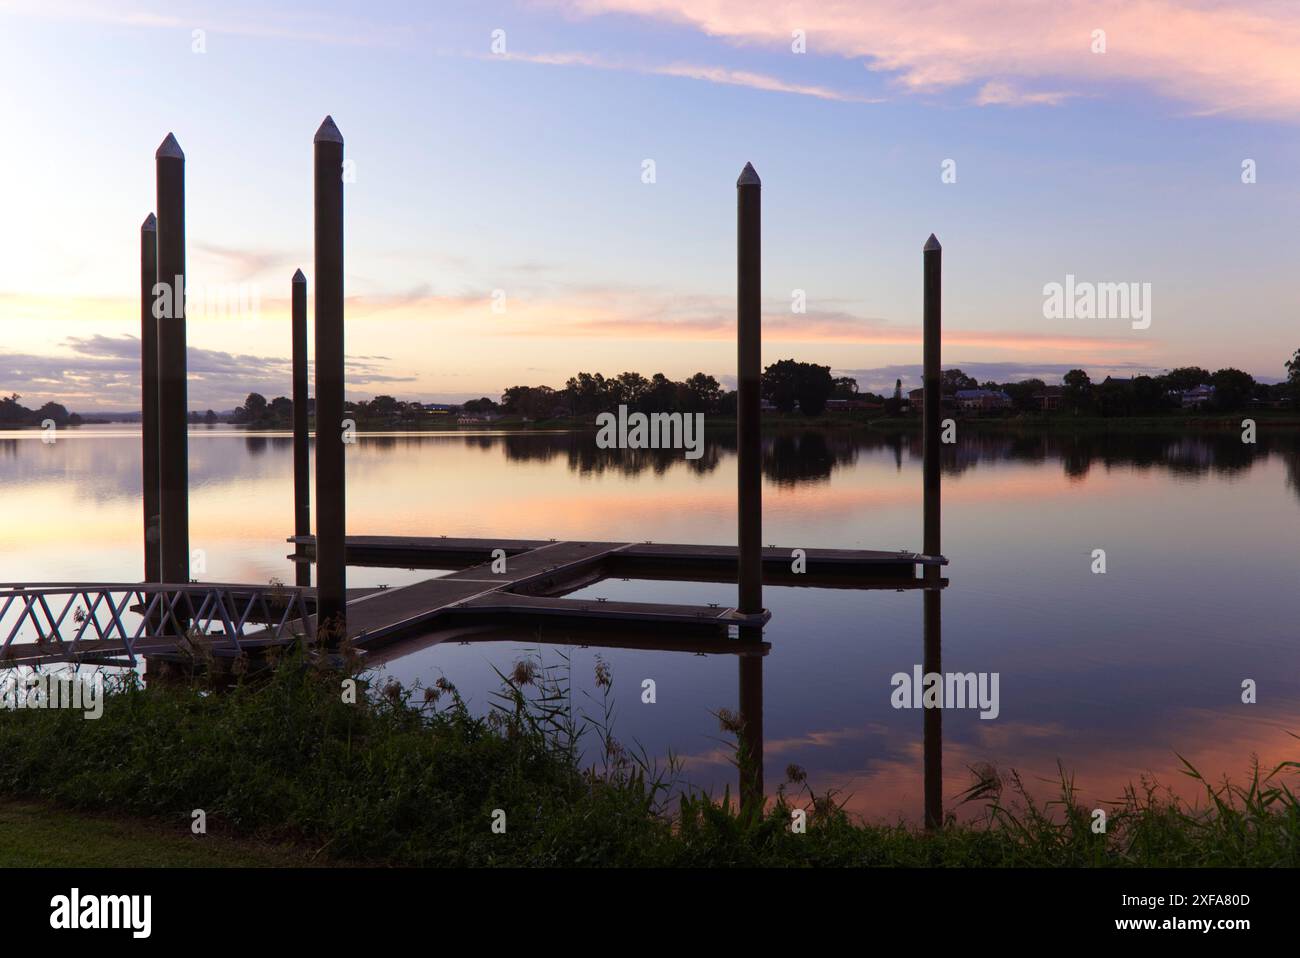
(810, 455)
(807, 456)
(586, 458)
(1290, 452)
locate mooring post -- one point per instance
(149, 397)
(301, 460)
(173, 442)
(749, 337)
(933, 411)
(749, 463)
(331, 572)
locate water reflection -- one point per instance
(1111, 674)
(790, 456)
(793, 456)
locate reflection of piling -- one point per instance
(149, 397)
(751, 733)
(748, 355)
(933, 411)
(173, 443)
(331, 573)
(301, 462)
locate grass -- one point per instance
(290, 772)
(40, 835)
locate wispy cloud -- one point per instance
(996, 93)
(1217, 57)
(103, 373)
(310, 27)
(709, 74)
(244, 263)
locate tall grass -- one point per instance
(411, 776)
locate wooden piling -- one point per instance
(331, 572)
(748, 372)
(933, 413)
(173, 441)
(301, 455)
(149, 398)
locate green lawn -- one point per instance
(37, 835)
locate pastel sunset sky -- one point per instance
(522, 171)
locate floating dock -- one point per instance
(530, 590)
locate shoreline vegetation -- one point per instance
(287, 771)
(795, 394)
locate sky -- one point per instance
(503, 226)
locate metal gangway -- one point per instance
(113, 623)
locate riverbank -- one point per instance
(410, 777)
(1188, 421)
(1065, 424)
(45, 835)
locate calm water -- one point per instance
(1109, 674)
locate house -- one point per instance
(847, 405)
(1049, 399)
(982, 400)
(916, 400)
(1197, 396)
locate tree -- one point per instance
(384, 406)
(787, 382)
(950, 380)
(53, 411)
(1078, 389)
(11, 411)
(585, 394)
(703, 393)
(1292, 379)
(252, 410)
(1187, 377)
(280, 409)
(530, 402)
(780, 384)
(1149, 395)
(1232, 388)
(1022, 394)
(630, 389)
(814, 388)
(844, 387)
(894, 404)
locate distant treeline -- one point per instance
(13, 414)
(1230, 390)
(787, 385)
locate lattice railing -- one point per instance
(103, 621)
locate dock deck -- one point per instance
(503, 588)
(538, 574)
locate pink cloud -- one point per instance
(1217, 57)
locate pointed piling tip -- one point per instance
(299, 278)
(328, 132)
(749, 176)
(932, 244)
(170, 149)
(150, 224)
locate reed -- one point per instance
(409, 775)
